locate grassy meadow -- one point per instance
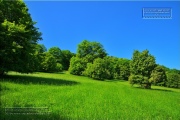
(77, 97)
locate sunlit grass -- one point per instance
(76, 97)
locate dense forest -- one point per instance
(20, 51)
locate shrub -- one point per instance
(100, 69)
(77, 66)
(173, 80)
(59, 67)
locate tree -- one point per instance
(57, 53)
(124, 65)
(67, 55)
(97, 70)
(109, 67)
(77, 66)
(116, 67)
(40, 48)
(90, 51)
(158, 76)
(87, 52)
(18, 37)
(39, 55)
(136, 79)
(173, 78)
(141, 67)
(49, 63)
(100, 69)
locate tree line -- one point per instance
(91, 60)
(20, 51)
(53, 60)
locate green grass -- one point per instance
(76, 97)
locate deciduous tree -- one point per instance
(158, 76)
(173, 78)
(141, 66)
(77, 66)
(18, 37)
(57, 53)
(49, 63)
(67, 55)
(87, 52)
(90, 51)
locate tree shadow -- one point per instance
(115, 80)
(29, 116)
(154, 89)
(63, 72)
(26, 80)
(162, 90)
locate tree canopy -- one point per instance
(141, 66)
(158, 76)
(87, 52)
(90, 50)
(18, 36)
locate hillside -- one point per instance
(76, 97)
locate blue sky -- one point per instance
(118, 26)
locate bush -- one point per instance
(141, 80)
(135, 79)
(59, 67)
(77, 66)
(88, 71)
(49, 63)
(173, 80)
(100, 69)
(95, 70)
(158, 76)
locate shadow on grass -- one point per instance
(115, 80)
(20, 79)
(50, 116)
(155, 89)
(162, 90)
(55, 72)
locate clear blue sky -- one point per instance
(118, 26)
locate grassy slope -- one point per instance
(77, 97)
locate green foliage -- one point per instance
(158, 76)
(136, 79)
(142, 81)
(56, 52)
(115, 66)
(96, 63)
(124, 65)
(87, 52)
(173, 79)
(62, 56)
(90, 51)
(40, 49)
(142, 65)
(100, 69)
(109, 67)
(59, 67)
(96, 70)
(67, 55)
(49, 63)
(18, 36)
(89, 70)
(77, 66)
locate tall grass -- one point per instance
(76, 97)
